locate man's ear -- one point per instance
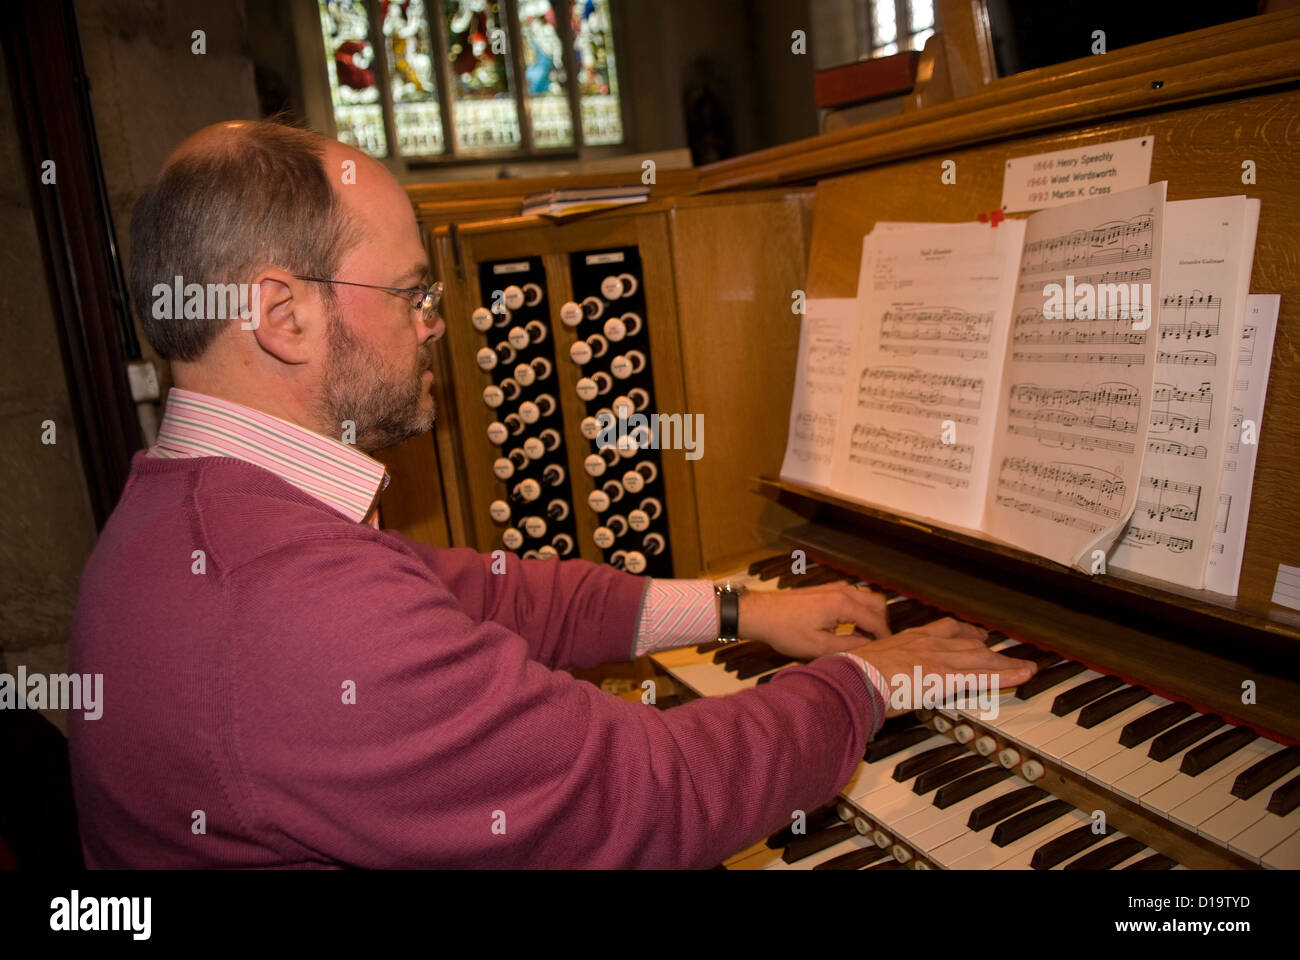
(283, 316)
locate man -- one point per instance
(286, 685)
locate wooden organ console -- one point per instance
(1176, 713)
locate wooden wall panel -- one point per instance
(737, 260)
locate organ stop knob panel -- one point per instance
(535, 513)
(612, 348)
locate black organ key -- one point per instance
(819, 819)
(1105, 708)
(663, 703)
(883, 747)
(904, 721)
(711, 646)
(1027, 821)
(742, 649)
(969, 785)
(1059, 849)
(1084, 693)
(1267, 771)
(1110, 855)
(814, 577)
(1183, 736)
(1027, 651)
(855, 860)
(1200, 758)
(948, 772)
(1285, 798)
(997, 810)
(752, 668)
(765, 678)
(1046, 679)
(1147, 726)
(806, 846)
(1156, 862)
(905, 618)
(772, 563)
(917, 765)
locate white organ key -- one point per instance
(1038, 724)
(1217, 797)
(1089, 760)
(1182, 787)
(915, 827)
(1236, 818)
(1063, 747)
(871, 777)
(1265, 834)
(1153, 773)
(988, 855)
(1286, 855)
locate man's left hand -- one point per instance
(801, 623)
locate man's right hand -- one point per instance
(943, 647)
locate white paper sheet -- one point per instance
(1069, 444)
(919, 405)
(1205, 276)
(826, 337)
(1254, 355)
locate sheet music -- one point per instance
(1254, 356)
(920, 398)
(826, 337)
(1205, 275)
(1068, 450)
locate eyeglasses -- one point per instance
(425, 301)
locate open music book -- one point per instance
(1062, 383)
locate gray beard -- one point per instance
(385, 413)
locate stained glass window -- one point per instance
(354, 91)
(548, 100)
(500, 56)
(593, 52)
(416, 114)
(486, 117)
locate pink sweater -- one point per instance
(230, 692)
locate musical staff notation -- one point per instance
(936, 324)
(1196, 322)
(1141, 275)
(1111, 406)
(1162, 499)
(1175, 409)
(1081, 487)
(915, 474)
(1047, 513)
(1107, 243)
(1174, 543)
(1069, 441)
(868, 441)
(1126, 359)
(1175, 449)
(916, 386)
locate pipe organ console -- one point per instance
(1171, 715)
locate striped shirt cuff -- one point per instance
(876, 684)
(676, 613)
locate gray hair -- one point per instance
(220, 215)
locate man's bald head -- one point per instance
(232, 199)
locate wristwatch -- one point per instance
(728, 610)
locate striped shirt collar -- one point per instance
(338, 475)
